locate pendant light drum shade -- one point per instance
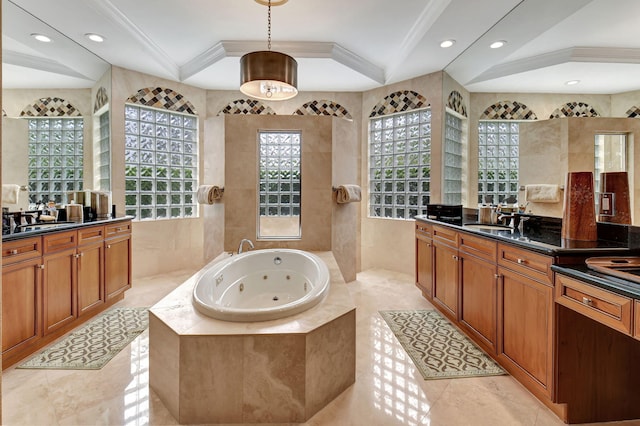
(268, 75)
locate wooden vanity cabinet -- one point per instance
(90, 255)
(525, 317)
(478, 289)
(59, 280)
(55, 281)
(445, 270)
(117, 259)
(424, 260)
(21, 295)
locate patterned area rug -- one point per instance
(95, 343)
(437, 348)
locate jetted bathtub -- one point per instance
(261, 285)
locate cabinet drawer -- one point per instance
(59, 241)
(478, 246)
(94, 234)
(19, 250)
(423, 230)
(120, 228)
(610, 309)
(445, 235)
(533, 265)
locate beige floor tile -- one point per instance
(388, 391)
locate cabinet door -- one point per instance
(525, 329)
(445, 278)
(424, 265)
(90, 278)
(117, 266)
(59, 289)
(478, 298)
(21, 297)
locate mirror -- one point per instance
(552, 151)
(64, 73)
(279, 184)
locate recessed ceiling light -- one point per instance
(94, 37)
(447, 43)
(41, 37)
(497, 44)
(572, 82)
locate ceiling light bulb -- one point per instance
(447, 43)
(572, 82)
(497, 44)
(94, 37)
(41, 37)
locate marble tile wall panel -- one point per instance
(331, 362)
(273, 379)
(211, 379)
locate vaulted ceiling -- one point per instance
(340, 45)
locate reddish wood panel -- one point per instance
(579, 216)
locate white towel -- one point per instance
(207, 194)
(543, 193)
(347, 194)
(10, 193)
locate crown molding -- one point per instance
(40, 64)
(107, 9)
(428, 17)
(317, 50)
(604, 55)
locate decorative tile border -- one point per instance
(158, 97)
(633, 112)
(574, 109)
(323, 107)
(456, 103)
(508, 110)
(247, 107)
(405, 100)
(102, 98)
(50, 107)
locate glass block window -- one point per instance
(400, 164)
(452, 191)
(55, 158)
(103, 167)
(498, 148)
(279, 170)
(161, 163)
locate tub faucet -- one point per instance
(244, 240)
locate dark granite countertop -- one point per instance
(604, 281)
(542, 238)
(41, 229)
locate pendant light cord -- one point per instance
(269, 26)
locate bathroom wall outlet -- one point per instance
(607, 204)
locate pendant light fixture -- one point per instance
(269, 75)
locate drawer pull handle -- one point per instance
(522, 261)
(108, 246)
(497, 276)
(587, 301)
(455, 257)
(41, 266)
(14, 251)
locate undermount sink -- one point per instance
(487, 227)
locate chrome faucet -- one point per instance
(511, 217)
(244, 240)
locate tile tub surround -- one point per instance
(285, 370)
